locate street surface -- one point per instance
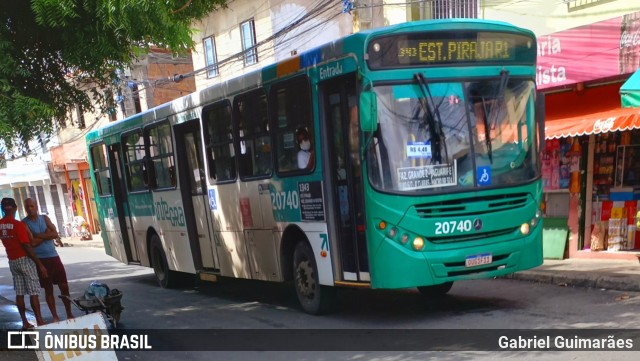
(242, 304)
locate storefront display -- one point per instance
(616, 191)
(556, 164)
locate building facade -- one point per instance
(56, 173)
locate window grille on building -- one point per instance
(210, 56)
(80, 115)
(442, 9)
(248, 33)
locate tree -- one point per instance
(56, 55)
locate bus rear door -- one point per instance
(193, 188)
(124, 226)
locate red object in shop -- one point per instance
(606, 210)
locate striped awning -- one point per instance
(607, 121)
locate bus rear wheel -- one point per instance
(314, 298)
(166, 278)
(436, 290)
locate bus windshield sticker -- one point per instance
(264, 188)
(213, 199)
(311, 203)
(484, 176)
(288, 140)
(419, 149)
(430, 176)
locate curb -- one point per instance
(88, 244)
(94, 243)
(623, 283)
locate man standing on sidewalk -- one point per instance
(22, 261)
(44, 234)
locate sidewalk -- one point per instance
(618, 275)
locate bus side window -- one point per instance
(254, 143)
(290, 104)
(101, 171)
(160, 145)
(135, 161)
(219, 142)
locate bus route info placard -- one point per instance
(311, 202)
(428, 176)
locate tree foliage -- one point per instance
(59, 54)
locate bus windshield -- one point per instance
(441, 137)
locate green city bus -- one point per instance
(404, 156)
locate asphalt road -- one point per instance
(272, 310)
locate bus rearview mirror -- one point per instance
(540, 116)
(368, 111)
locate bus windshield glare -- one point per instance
(447, 137)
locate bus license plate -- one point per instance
(478, 259)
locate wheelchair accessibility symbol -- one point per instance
(484, 176)
(213, 199)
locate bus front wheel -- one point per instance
(314, 298)
(166, 278)
(435, 290)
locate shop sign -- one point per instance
(599, 50)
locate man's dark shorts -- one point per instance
(55, 269)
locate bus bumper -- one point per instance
(394, 266)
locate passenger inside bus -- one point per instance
(306, 155)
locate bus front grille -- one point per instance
(471, 206)
(473, 236)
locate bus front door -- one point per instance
(193, 188)
(123, 226)
(345, 178)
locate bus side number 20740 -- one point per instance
(453, 226)
(285, 200)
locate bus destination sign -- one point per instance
(450, 48)
(435, 51)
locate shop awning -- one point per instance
(25, 174)
(630, 91)
(602, 122)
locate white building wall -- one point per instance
(319, 23)
(315, 22)
(547, 17)
(224, 25)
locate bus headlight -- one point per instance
(524, 228)
(534, 221)
(418, 243)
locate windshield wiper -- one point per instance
(435, 130)
(487, 130)
(499, 97)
